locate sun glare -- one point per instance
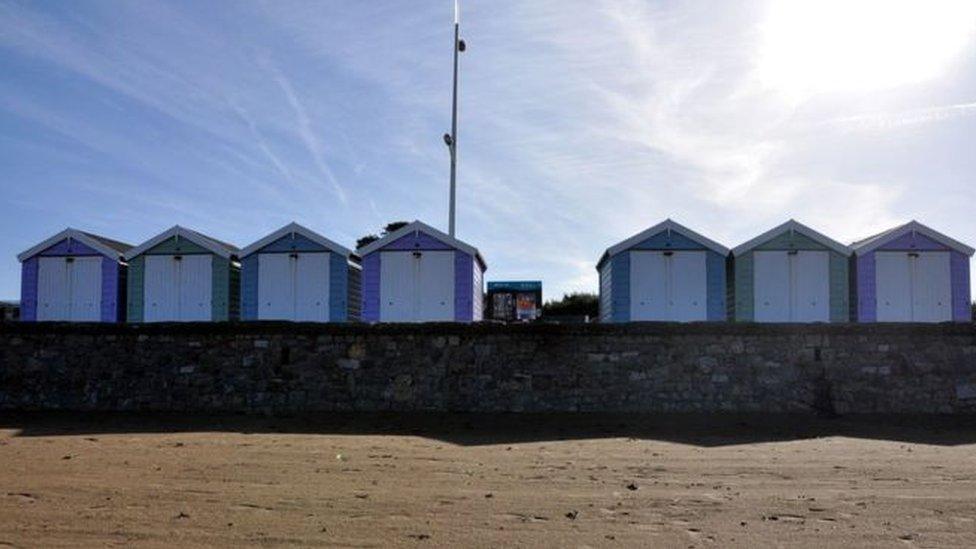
(810, 46)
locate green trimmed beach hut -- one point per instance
(791, 273)
(181, 275)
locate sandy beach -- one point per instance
(486, 481)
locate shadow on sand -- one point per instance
(468, 429)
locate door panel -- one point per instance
(436, 286)
(648, 286)
(771, 283)
(398, 280)
(276, 286)
(160, 287)
(811, 286)
(930, 289)
(893, 284)
(312, 287)
(52, 289)
(196, 283)
(85, 289)
(688, 286)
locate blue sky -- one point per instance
(582, 122)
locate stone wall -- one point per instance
(281, 368)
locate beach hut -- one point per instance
(791, 274)
(181, 275)
(297, 274)
(73, 276)
(419, 274)
(665, 273)
(912, 273)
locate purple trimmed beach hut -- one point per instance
(912, 273)
(419, 274)
(73, 276)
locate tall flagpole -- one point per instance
(452, 141)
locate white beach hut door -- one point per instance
(648, 286)
(893, 286)
(435, 286)
(398, 281)
(160, 289)
(810, 286)
(311, 286)
(416, 286)
(687, 286)
(791, 287)
(913, 286)
(84, 289)
(52, 289)
(771, 286)
(276, 287)
(931, 291)
(195, 285)
(668, 286)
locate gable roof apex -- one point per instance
(219, 248)
(667, 224)
(871, 243)
(796, 226)
(420, 226)
(112, 249)
(294, 227)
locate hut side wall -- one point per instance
(135, 289)
(28, 289)
(249, 287)
(338, 287)
(961, 296)
(371, 287)
(111, 296)
(354, 291)
(715, 271)
(620, 279)
(606, 292)
(463, 286)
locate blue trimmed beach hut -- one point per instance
(791, 273)
(73, 276)
(297, 274)
(665, 273)
(181, 275)
(912, 273)
(419, 274)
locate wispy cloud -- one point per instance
(305, 130)
(883, 121)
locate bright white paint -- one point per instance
(791, 287)
(771, 287)
(416, 286)
(668, 286)
(69, 289)
(196, 285)
(178, 289)
(276, 287)
(811, 286)
(312, 287)
(932, 291)
(85, 289)
(913, 286)
(435, 286)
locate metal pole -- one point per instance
(453, 144)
